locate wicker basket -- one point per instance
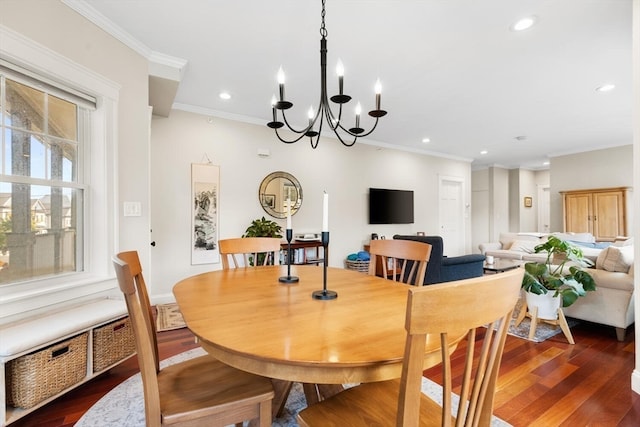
(34, 377)
(112, 343)
(362, 266)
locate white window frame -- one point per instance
(98, 169)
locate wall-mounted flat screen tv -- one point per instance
(390, 206)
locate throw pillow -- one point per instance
(615, 258)
(524, 245)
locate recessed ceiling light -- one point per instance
(524, 23)
(426, 140)
(547, 163)
(606, 87)
(225, 95)
(483, 152)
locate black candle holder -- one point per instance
(289, 278)
(324, 294)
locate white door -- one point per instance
(544, 209)
(452, 215)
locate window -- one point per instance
(41, 191)
(71, 164)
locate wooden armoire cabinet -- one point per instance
(601, 212)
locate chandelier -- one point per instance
(324, 111)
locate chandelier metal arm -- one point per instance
(291, 128)
(289, 141)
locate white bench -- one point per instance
(32, 334)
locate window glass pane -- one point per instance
(25, 106)
(63, 160)
(38, 231)
(63, 120)
(26, 155)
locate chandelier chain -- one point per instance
(323, 28)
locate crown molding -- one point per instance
(84, 9)
(160, 64)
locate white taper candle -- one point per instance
(325, 212)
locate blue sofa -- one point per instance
(442, 268)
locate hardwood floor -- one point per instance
(545, 384)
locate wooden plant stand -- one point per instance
(560, 321)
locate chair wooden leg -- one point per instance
(266, 418)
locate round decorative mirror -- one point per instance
(275, 189)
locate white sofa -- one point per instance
(520, 246)
(612, 302)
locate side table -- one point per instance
(500, 265)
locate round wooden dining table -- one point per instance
(249, 320)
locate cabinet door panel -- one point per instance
(578, 213)
(609, 215)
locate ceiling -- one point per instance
(451, 71)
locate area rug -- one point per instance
(168, 317)
(124, 405)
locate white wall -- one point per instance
(345, 173)
(522, 183)
(611, 167)
(479, 208)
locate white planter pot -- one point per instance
(547, 305)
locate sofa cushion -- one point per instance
(614, 258)
(506, 239)
(611, 279)
(524, 245)
(540, 257)
(576, 237)
(623, 241)
(505, 254)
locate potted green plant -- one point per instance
(262, 228)
(560, 282)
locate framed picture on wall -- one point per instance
(528, 202)
(205, 190)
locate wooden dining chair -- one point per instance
(399, 260)
(249, 252)
(199, 391)
(446, 310)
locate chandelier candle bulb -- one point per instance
(281, 83)
(378, 90)
(273, 107)
(311, 114)
(340, 73)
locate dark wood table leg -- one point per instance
(281, 389)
